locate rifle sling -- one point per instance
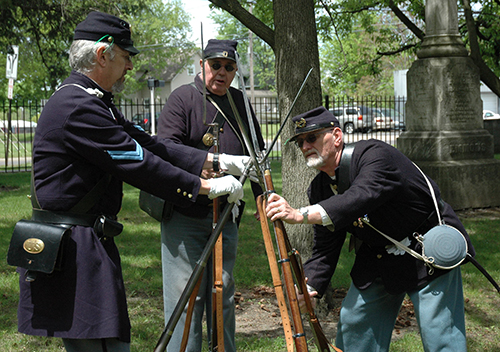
(277, 283)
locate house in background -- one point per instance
(174, 76)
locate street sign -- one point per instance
(12, 60)
(10, 91)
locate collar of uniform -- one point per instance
(80, 78)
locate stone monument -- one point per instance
(445, 133)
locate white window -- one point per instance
(191, 70)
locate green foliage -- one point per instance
(488, 25)
(44, 30)
(359, 43)
(264, 65)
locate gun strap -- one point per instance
(277, 283)
(344, 167)
(189, 315)
(217, 302)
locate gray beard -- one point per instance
(118, 87)
(315, 161)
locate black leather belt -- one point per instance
(56, 217)
(104, 226)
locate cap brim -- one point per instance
(219, 56)
(133, 51)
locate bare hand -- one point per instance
(302, 301)
(278, 209)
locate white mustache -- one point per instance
(309, 152)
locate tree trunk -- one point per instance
(296, 50)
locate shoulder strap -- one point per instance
(218, 119)
(91, 91)
(345, 167)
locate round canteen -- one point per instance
(446, 245)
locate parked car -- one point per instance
(353, 118)
(381, 122)
(397, 117)
(18, 126)
(490, 115)
(144, 121)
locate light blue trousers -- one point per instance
(183, 240)
(367, 317)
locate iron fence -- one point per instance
(383, 118)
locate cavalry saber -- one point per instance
(253, 134)
(271, 146)
(299, 337)
(483, 271)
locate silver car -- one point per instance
(352, 119)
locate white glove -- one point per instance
(235, 165)
(236, 210)
(226, 185)
(393, 249)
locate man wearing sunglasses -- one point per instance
(185, 232)
(379, 182)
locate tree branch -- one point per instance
(247, 19)
(487, 75)
(403, 18)
(397, 51)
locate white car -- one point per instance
(490, 115)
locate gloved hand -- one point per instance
(392, 249)
(226, 185)
(236, 210)
(235, 165)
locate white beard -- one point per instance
(315, 161)
(118, 87)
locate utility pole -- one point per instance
(11, 74)
(250, 59)
(152, 84)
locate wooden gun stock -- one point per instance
(279, 230)
(291, 264)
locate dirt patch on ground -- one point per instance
(492, 213)
(258, 314)
(4, 188)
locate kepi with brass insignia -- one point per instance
(222, 49)
(313, 120)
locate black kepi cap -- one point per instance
(224, 49)
(313, 120)
(102, 26)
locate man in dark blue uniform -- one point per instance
(185, 233)
(83, 143)
(388, 188)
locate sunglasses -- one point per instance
(310, 138)
(216, 66)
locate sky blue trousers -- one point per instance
(367, 317)
(183, 240)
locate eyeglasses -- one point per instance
(310, 138)
(216, 66)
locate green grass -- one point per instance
(139, 246)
